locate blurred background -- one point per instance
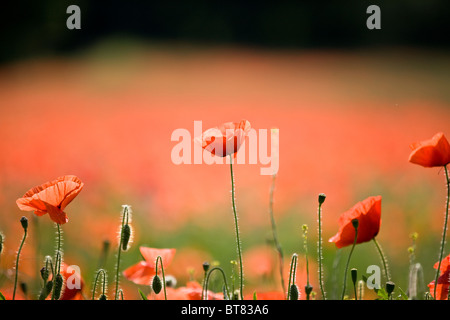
(101, 103)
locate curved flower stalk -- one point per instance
(435, 152)
(223, 141)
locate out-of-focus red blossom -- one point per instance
(259, 262)
(368, 213)
(52, 197)
(270, 295)
(443, 280)
(226, 139)
(192, 291)
(144, 271)
(434, 152)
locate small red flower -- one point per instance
(52, 198)
(443, 280)
(225, 140)
(434, 152)
(368, 213)
(71, 289)
(144, 271)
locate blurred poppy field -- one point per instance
(346, 120)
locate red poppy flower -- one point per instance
(52, 197)
(144, 271)
(443, 280)
(73, 283)
(368, 213)
(434, 152)
(225, 140)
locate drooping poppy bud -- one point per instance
(156, 284)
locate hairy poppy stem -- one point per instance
(238, 241)
(58, 258)
(319, 245)
(162, 271)
(227, 293)
(24, 222)
(103, 273)
(383, 259)
(124, 220)
(308, 287)
(355, 225)
(275, 235)
(444, 233)
(292, 273)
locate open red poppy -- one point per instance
(225, 140)
(144, 271)
(52, 197)
(368, 213)
(443, 280)
(434, 152)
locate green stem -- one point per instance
(17, 262)
(224, 281)
(383, 259)
(444, 233)
(58, 258)
(162, 271)
(241, 270)
(292, 272)
(124, 216)
(275, 235)
(103, 272)
(348, 263)
(320, 252)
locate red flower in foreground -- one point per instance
(144, 271)
(52, 197)
(226, 139)
(443, 280)
(434, 152)
(368, 213)
(73, 284)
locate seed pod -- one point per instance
(206, 266)
(322, 198)
(24, 222)
(126, 234)
(45, 291)
(102, 297)
(293, 292)
(156, 284)
(308, 289)
(1, 243)
(59, 281)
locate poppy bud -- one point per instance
(390, 287)
(126, 234)
(45, 273)
(24, 222)
(156, 284)
(308, 288)
(293, 292)
(45, 291)
(171, 281)
(1, 243)
(355, 223)
(322, 198)
(102, 297)
(354, 273)
(59, 281)
(206, 266)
